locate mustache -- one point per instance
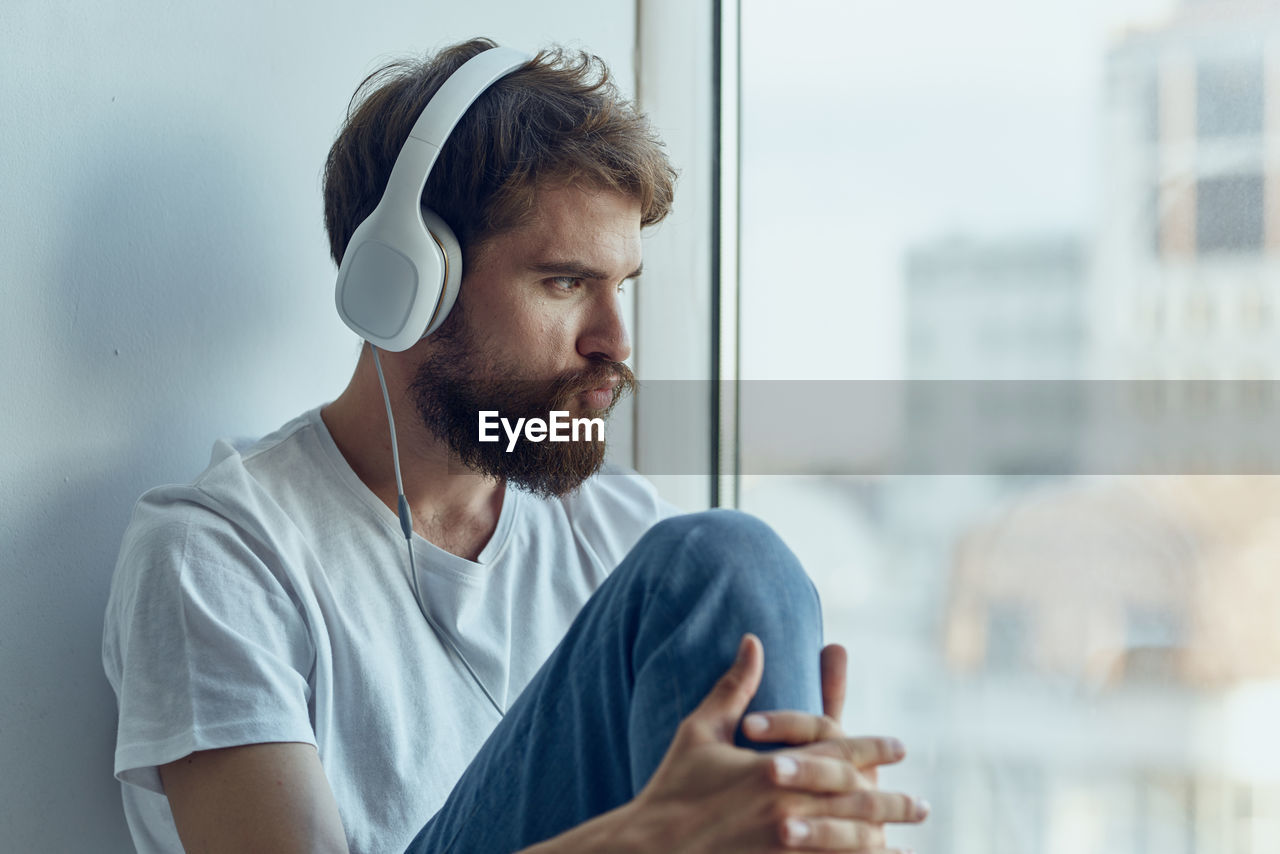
(596, 375)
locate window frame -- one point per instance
(686, 306)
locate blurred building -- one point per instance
(1007, 309)
(1188, 253)
(995, 334)
(1117, 582)
(1115, 649)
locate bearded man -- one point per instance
(558, 662)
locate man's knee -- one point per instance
(730, 553)
(723, 534)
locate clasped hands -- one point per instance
(818, 795)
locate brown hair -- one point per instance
(559, 118)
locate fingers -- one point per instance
(789, 727)
(825, 834)
(834, 835)
(823, 734)
(848, 794)
(874, 807)
(865, 752)
(833, 663)
(728, 699)
(816, 774)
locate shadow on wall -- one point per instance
(161, 295)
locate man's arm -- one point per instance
(269, 798)
(706, 796)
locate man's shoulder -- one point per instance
(237, 491)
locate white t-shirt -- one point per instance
(270, 601)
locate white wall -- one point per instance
(165, 281)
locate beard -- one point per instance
(460, 379)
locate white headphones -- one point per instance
(400, 273)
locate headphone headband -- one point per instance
(441, 115)
(399, 276)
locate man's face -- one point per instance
(537, 328)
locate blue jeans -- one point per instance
(591, 727)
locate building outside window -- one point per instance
(1036, 246)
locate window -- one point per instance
(1229, 214)
(1008, 637)
(1040, 231)
(1229, 98)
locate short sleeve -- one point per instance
(202, 642)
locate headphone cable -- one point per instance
(406, 525)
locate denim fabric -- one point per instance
(593, 724)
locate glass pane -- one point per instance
(1024, 258)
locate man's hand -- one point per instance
(800, 728)
(710, 796)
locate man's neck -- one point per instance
(457, 512)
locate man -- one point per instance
(292, 677)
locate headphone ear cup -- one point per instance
(444, 237)
(390, 281)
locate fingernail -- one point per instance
(755, 724)
(896, 748)
(742, 650)
(922, 809)
(785, 767)
(797, 831)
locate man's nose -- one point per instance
(606, 333)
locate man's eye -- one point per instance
(565, 283)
